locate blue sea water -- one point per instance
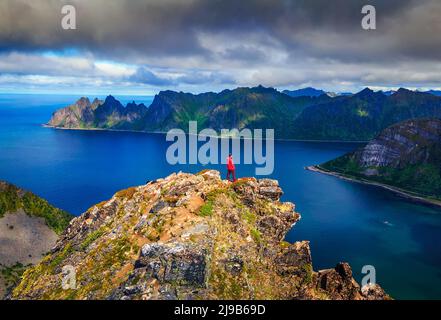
(344, 221)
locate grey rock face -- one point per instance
(174, 263)
(406, 143)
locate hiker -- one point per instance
(231, 168)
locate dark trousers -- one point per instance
(233, 172)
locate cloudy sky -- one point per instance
(144, 46)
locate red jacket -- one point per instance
(230, 164)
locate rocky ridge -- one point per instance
(189, 237)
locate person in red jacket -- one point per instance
(231, 168)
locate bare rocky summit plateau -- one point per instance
(189, 237)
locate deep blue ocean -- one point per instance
(344, 221)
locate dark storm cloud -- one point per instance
(211, 44)
(133, 28)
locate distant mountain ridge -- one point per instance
(359, 116)
(305, 92)
(364, 115)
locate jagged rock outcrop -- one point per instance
(406, 155)
(339, 284)
(107, 114)
(187, 237)
(78, 115)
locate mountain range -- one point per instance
(360, 116)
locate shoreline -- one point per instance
(397, 191)
(162, 132)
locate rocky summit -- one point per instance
(189, 237)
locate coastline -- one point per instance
(163, 132)
(400, 192)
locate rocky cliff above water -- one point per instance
(406, 155)
(189, 237)
(107, 114)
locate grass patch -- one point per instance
(256, 235)
(61, 256)
(91, 237)
(12, 275)
(127, 193)
(249, 216)
(307, 270)
(206, 210)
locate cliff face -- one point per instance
(407, 143)
(78, 115)
(189, 237)
(406, 155)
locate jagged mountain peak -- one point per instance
(83, 102)
(365, 92)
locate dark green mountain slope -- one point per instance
(406, 155)
(363, 115)
(257, 107)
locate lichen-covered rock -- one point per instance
(187, 237)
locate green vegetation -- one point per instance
(257, 236)
(308, 271)
(91, 238)
(206, 210)
(249, 216)
(13, 199)
(12, 275)
(68, 249)
(362, 113)
(421, 179)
